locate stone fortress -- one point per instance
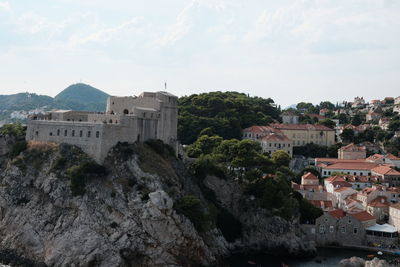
(151, 115)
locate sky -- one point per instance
(291, 51)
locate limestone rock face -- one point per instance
(261, 231)
(121, 220)
(124, 218)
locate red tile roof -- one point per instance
(320, 117)
(285, 126)
(338, 214)
(341, 189)
(360, 165)
(309, 176)
(353, 148)
(337, 184)
(322, 203)
(385, 170)
(379, 202)
(276, 137)
(337, 178)
(261, 129)
(375, 157)
(392, 157)
(363, 216)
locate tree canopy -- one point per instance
(225, 113)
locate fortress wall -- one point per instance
(119, 104)
(152, 116)
(85, 135)
(70, 115)
(105, 118)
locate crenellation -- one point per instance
(127, 119)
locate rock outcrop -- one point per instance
(125, 217)
(358, 262)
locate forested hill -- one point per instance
(225, 112)
(76, 97)
(82, 97)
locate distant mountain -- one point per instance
(82, 97)
(76, 97)
(24, 101)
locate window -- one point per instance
(343, 229)
(313, 231)
(80, 133)
(58, 132)
(331, 229)
(288, 145)
(65, 132)
(355, 230)
(73, 133)
(322, 229)
(97, 134)
(51, 134)
(355, 173)
(88, 134)
(126, 111)
(270, 144)
(37, 133)
(349, 221)
(110, 121)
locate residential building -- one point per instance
(352, 151)
(397, 100)
(379, 207)
(340, 227)
(389, 175)
(324, 111)
(358, 102)
(360, 168)
(290, 117)
(394, 215)
(271, 139)
(274, 142)
(303, 134)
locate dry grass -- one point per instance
(42, 146)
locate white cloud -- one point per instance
(5, 6)
(106, 34)
(180, 28)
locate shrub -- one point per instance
(160, 148)
(80, 174)
(207, 164)
(190, 206)
(16, 130)
(17, 148)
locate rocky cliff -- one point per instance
(124, 215)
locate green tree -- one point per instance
(327, 105)
(394, 125)
(357, 120)
(328, 123)
(227, 113)
(204, 145)
(281, 158)
(347, 135)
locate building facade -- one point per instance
(303, 134)
(127, 119)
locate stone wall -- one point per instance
(128, 119)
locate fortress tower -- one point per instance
(151, 115)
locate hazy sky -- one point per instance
(291, 51)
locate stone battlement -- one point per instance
(127, 119)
